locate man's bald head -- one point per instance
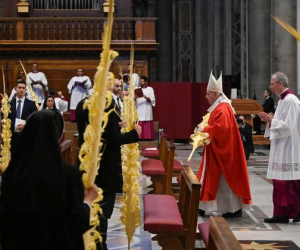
(117, 87)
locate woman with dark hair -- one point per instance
(49, 103)
(42, 204)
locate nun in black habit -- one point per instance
(42, 198)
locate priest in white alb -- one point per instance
(283, 128)
(144, 106)
(79, 87)
(38, 83)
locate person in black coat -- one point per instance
(42, 198)
(247, 132)
(268, 107)
(26, 107)
(109, 177)
(244, 138)
(269, 102)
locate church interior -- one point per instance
(177, 44)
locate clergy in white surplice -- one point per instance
(144, 104)
(38, 83)
(283, 128)
(79, 88)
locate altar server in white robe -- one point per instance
(79, 87)
(144, 106)
(283, 128)
(38, 82)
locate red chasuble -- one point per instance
(224, 154)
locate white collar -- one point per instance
(22, 99)
(221, 99)
(114, 96)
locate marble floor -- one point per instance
(250, 229)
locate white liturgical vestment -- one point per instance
(284, 133)
(37, 88)
(78, 93)
(144, 108)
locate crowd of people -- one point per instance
(58, 206)
(80, 87)
(43, 199)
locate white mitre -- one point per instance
(215, 85)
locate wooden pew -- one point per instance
(74, 150)
(260, 140)
(65, 149)
(158, 153)
(174, 223)
(217, 235)
(161, 171)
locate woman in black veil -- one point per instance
(49, 103)
(42, 198)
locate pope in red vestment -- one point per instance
(224, 157)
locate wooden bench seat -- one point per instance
(161, 171)
(168, 218)
(153, 167)
(174, 223)
(150, 153)
(177, 167)
(260, 140)
(217, 235)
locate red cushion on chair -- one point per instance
(150, 153)
(204, 232)
(161, 214)
(152, 167)
(177, 167)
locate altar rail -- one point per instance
(75, 29)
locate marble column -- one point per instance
(213, 38)
(219, 35)
(259, 46)
(284, 46)
(164, 38)
(204, 39)
(228, 49)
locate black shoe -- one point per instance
(277, 219)
(201, 212)
(297, 218)
(236, 214)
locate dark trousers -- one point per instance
(257, 125)
(107, 205)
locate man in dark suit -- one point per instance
(246, 130)
(109, 177)
(20, 108)
(268, 107)
(269, 102)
